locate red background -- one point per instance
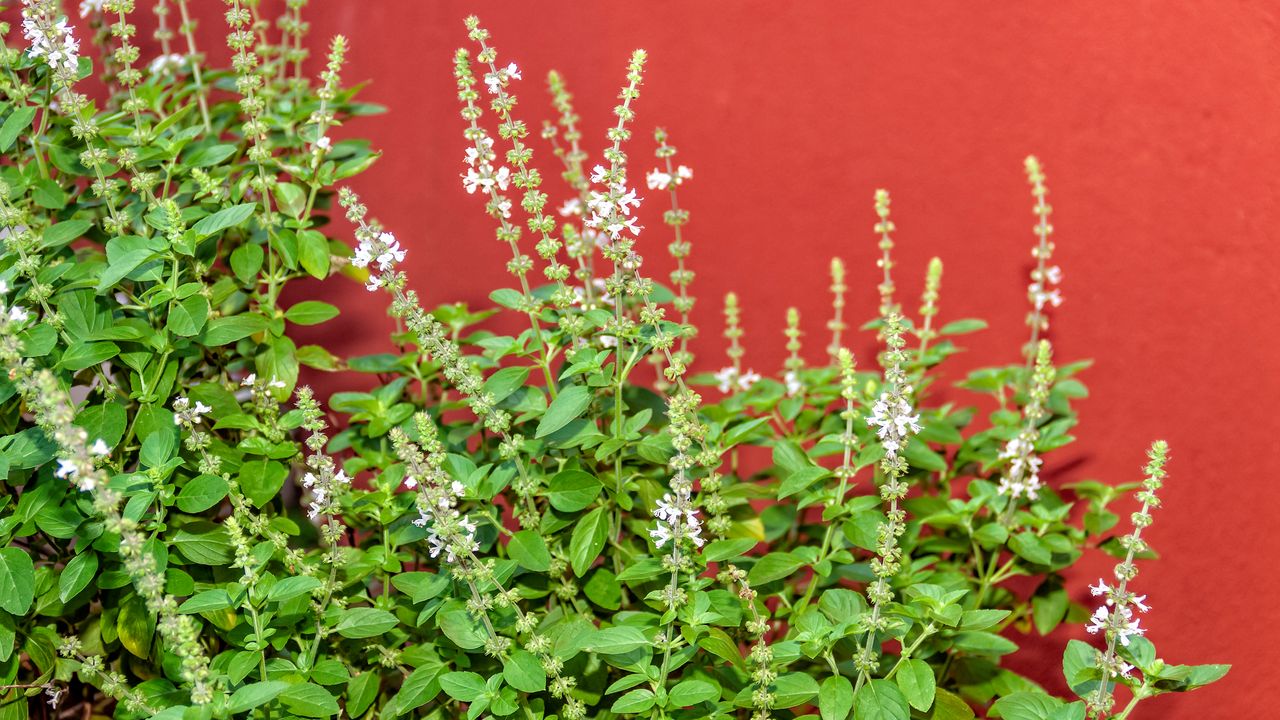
(1157, 124)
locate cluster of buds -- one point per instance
(1042, 291)
(794, 363)
(51, 39)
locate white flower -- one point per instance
(88, 6)
(1119, 621)
(51, 41)
(732, 380)
(66, 468)
(471, 181)
(495, 80)
(502, 177)
(166, 64)
(572, 206)
(677, 518)
(99, 448)
(391, 253)
(249, 380)
(54, 693)
(504, 207)
(598, 174)
(1139, 601)
(626, 199)
(374, 283)
(410, 482)
(684, 172)
(324, 143)
(616, 227)
(184, 412)
(1100, 589)
(792, 380)
(895, 421)
(18, 314)
(657, 180)
(1023, 476)
(280, 384)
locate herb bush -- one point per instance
(506, 526)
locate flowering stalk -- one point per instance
(794, 363)
(188, 30)
(929, 308)
(454, 536)
(78, 463)
(885, 228)
(1114, 618)
(514, 131)
(322, 119)
(249, 83)
(761, 656)
(1043, 276)
(731, 378)
(382, 250)
(896, 423)
(679, 248)
(845, 472)
(1023, 474)
(125, 56)
(482, 175)
(836, 324)
(580, 242)
(92, 669)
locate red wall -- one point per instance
(1158, 126)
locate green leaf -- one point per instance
(528, 548)
(504, 382)
(568, 405)
(880, 700)
(508, 298)
(203, 542)
(187, 318)
(984, 643)
(523, 672)
(261, 480)
(17, 581)
(1029, 547)
(313, 253)
(417, 690)
(948, 706)
(136, 627)
(77, 574)
(692, 692)
(1024, 705)
(915, 680)
(291, 198)
(603, 589)
(420, 586)
(794, 688)
(636, 701)
(246, 261)
(309, 700)
(774, 566)
(55, 236)
(254, 695)
(201, 493)
(48, 194)
(292, 587)
(728, 549)
(226, 330)
(209, 155)
(207, 601)
(835, 699)
(18, 121)
(458, 625)
(616, 640)
(919, 455)
(365, 622)
(223, 219)
(310, 312)
(961, 327)
(1049, 607)
(83, 355)
(588, 540)
(120, 266)
(464, 686)
(573, 490)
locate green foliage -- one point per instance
(502, 525)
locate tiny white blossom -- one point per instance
(249, 380)
(792, 380)
(280, 384)
(66, 468)
(657, 180)
(50, 41)
(99, 448)
(572, 206)
(895, 421)
(324, 143)
(88, 6)
(166, 64)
